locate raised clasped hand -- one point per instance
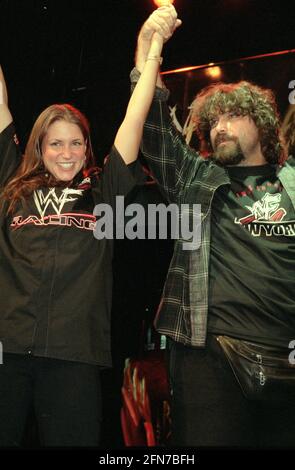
(163, 21)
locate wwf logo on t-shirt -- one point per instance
(266, 218)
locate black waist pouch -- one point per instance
(263, 372)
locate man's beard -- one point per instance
(229, 153)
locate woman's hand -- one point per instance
(162, 21)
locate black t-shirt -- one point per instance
(55, 276)
(252, 258)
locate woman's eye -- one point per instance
(77, 144)
(55, 144)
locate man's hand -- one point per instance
(163, 21)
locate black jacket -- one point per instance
(55, 276)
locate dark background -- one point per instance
(82, 53)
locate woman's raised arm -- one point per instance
(5, 116)
(129, 135)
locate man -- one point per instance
(229, 305)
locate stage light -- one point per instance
(213, 72)
(163, 3)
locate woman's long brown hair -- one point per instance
(32, 174)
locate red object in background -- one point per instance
(162, 3)
(145, 412)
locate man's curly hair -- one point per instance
(288, 129)
(246, 99)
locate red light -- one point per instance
(213, 72)
(163, 3)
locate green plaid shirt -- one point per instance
(187, 178)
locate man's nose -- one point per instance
(222, 125)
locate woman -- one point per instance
(55, 276)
